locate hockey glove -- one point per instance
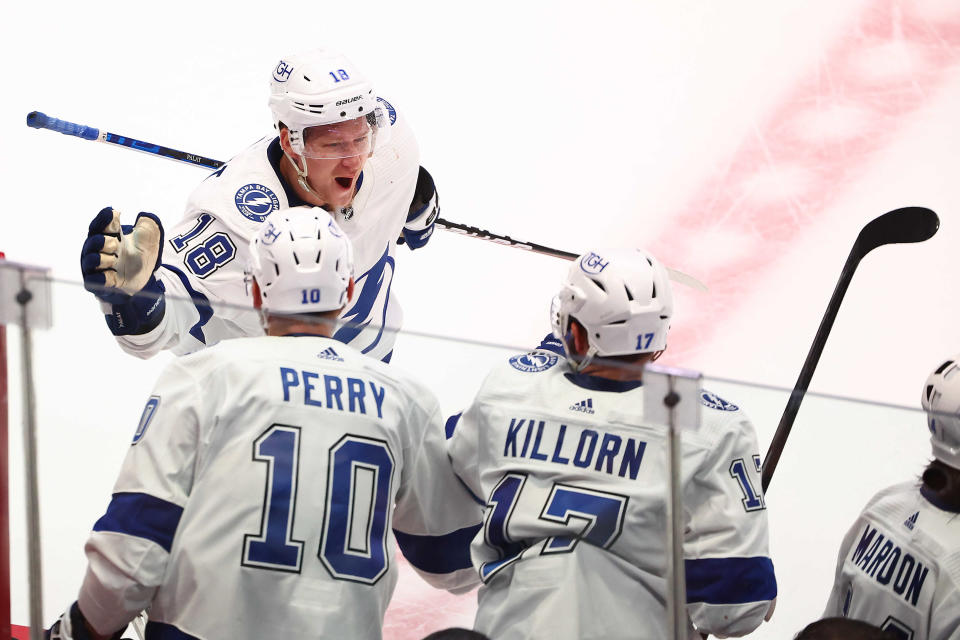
(118, 264)
(72, 626)
(422, 216)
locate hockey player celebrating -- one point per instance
(573, 544)
(899, 565)
(339, 147)
(266, 474)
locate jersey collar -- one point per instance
(933, 499)
(597, 383)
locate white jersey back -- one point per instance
(260, 492)
(899, 567)
(206, 253)
(573, 544)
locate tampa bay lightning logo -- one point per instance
(148, 412)
(390, 110)
(593, 263)
(255, 202)
(533, 362)
(714, 401)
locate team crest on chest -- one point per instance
(533, 362)
(255, 201)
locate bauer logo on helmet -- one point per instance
(593, 263)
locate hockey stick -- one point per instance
(900, 226)
(39, 120)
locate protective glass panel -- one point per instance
(93, 401)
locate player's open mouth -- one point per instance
(346, 183)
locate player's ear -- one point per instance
(350, 290)
(255, 292)
(581, 342)
(285, 141)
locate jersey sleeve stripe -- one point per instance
(200, 301)
(730, 580)
(143, 516)
(438, 554)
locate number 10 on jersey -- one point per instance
(353, 537)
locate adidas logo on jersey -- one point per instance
(329, 354)
(586, 406)
(911, 522)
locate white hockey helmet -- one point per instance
(302, 262)
(941, 400)
(623, 299)
(312, 93)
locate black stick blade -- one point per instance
(900, 226)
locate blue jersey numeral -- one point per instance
(752, 500)
(353, 543)
(897, 629)
(213, 253)
(601, 513)
(500, 506)
(273, 547)
(180, 242)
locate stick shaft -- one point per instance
(39, 120)
(806, 372)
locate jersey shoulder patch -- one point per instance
(256, 201)
(533, 362)
(391, 112)
(713, 401)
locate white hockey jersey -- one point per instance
(899, 566)
(206, 254)
(259, 494)
(574, 536)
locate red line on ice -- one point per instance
(804, 173)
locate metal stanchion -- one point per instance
(671, 399)
(25, 300)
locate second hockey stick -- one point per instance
(39, 120)
(900, 226)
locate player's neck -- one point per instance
(322, 327)
(622, 373)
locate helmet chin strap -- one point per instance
(346, 212)
(302, 176)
